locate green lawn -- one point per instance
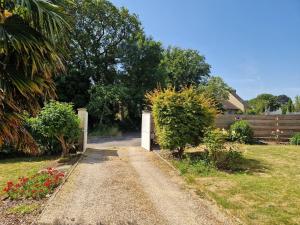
(12, 169)
(267, 192)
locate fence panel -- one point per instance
(264, 125)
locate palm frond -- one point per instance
(29, 58)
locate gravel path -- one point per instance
(113, 186)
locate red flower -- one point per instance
(6, 189)
(47, 183)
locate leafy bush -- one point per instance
(241, 132)
(57, 121)
(180, 117)
(47, 145)
(295, 140)
(36, 187)
(214, 141)
(221, 155)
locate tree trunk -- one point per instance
(65, 150)
(180, 152)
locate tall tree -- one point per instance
(140, 72)
(290, 106)
(184, 67)
(216, 89)
(263, 103)
(29, 59)
(283, 99)
(100, 28)
(297, 103)
(108, 47)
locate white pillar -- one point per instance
(83, 117)
(146, 130)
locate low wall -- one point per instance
(263, 126)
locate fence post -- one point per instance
(83, 117)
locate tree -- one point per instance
(283, 99)
(29, 59)
(140, 73)
(263, 103)
(99, 30)
(181, 117)
(58, 120)
(290, 106)
(108, 47)
(297, 104)
(184, 67)
(216, 89)
(105, 102)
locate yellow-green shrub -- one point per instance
(181, 117)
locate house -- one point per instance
(234, 104)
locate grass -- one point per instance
(12, 169)
(266, 191)
(23, 209)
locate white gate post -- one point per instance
(83, 117)
(146, 130)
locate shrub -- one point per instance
(214, 141)
(221, 155)
(58, 120)
(180, 117)
(295, 140)
(36, 187)
(47, 145)
(241, 132)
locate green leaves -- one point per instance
(241, 132)
(181, 117)
(106, 100)
(264, 102)
(184, 67)
(58, 120)
(29, 31)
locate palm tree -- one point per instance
(29, 58)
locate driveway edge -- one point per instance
(191, 188)
(35, 222)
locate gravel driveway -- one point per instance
(113, 186)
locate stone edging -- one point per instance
(166, 161)
(58, 189)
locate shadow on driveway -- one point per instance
(126, 140)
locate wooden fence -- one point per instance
(265, 127)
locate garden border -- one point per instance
(58, 189)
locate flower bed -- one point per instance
(36, 187)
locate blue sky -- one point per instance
(254, 45)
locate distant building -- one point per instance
(234, 104)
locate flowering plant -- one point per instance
(37, 186)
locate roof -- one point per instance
(234, 102)
(228, 105)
